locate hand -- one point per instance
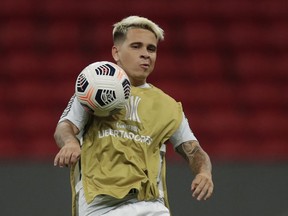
(202, 186)
(68, 155)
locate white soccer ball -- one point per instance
(102, 88)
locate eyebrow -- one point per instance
(142, 43)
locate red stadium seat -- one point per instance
(25, 65)
(60, 9)
(19, 34)
(154, 10)
(246, 35)
(252, 66)
(40, 93)
(17, 8)
(7, 120)
(281, 66)
(219, 123)
(203, 65)
(275, 149)
(65, 65)
(64, 35)
(268, 124)
(239, 10)
(262, 95)
(199, 35)
(30, 66)
(42, 148)
(98, 36)
(8, 148)
(277, 34)
(214, 95)
(229, 149)
(168, 66)
(255, 66)
(38, 122)
(171, 40)
(272, 9)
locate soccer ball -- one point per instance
(102, 88)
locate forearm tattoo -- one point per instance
(188, 150)
(196, 157)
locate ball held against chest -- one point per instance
(102, 87)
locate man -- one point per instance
(118, 166)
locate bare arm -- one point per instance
(200, 164)
(65, 137)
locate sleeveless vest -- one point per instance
(122, 152)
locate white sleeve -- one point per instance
(75, 113)
(182, 134)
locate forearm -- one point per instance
(197, 158)
(65, 133)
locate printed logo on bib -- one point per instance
(128, 131)
(126, 135)
(131, 109)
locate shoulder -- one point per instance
(162, 94)
(155, 97)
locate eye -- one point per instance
(135, 45)
(152, 48)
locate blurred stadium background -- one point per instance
(226, 60)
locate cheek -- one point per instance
(153, 60)
(127, 58)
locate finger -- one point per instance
(209, 193)
(61, 159)
(195, 183)
(193, 186)
(56, 160)
(67, 159)
(203, 192)
(198, 188)
(74, 158)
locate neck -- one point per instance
(137, 82)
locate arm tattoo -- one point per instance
(196, 157)
(188, 150)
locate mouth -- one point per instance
(144, 66)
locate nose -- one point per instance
(145, 54)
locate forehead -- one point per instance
(141, 35)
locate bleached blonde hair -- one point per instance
(121, 28)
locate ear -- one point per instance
(115, 53)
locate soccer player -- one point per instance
(118, 162)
